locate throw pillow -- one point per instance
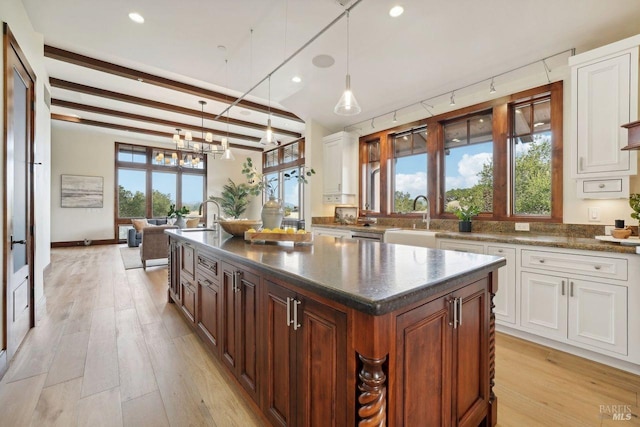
(139, 224)
(192, 222)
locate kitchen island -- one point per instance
(344, 332)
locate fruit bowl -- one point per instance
(237, 227)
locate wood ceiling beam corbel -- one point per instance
(129, 73)
(169, 136)
(103, 93)
(154, 120)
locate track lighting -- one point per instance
(492, 88)
(395, 120)
(452, 101)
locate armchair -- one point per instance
(155, 244)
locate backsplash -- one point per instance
(567, 230)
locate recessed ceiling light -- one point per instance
(136, 17)
(296, 79)
(396, 11)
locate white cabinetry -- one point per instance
(505, 299)
(587, 313)
(333, 232)
(604, 96)
(340, 172)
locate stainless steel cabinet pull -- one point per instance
(571, 289)
(296, 325)
(452, 301)
(289, 322)
(237, 281)
(601, 186)
(455, 313)
(541, 261)
(500, 251)
(597, 267)
(460, 311)
(563, 287)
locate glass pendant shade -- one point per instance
(227, 154)
(269, 137)
(348, 104)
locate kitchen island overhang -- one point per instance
(379, 289)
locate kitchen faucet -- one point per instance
(214, 225)
(426, 215)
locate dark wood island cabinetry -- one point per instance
(344, 332)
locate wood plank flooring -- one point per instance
(109, 351)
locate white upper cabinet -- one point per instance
(340, 173)
(604, 96)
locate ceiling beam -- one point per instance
(169, 136)
(90, 90)
(129, 73)
(154, 120)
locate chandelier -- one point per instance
(205, 145)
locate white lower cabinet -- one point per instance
(332, 232)
(506, 298)
(590, 314)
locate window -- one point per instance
(149, 180)
(503, 156)
(468, 164)
(409, 169)
(531, 141)
(278, 166)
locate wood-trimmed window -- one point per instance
(490, 139)
(149, 179)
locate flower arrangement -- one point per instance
(179, 213)
(464, 213)
(257, 182)
(634, 202)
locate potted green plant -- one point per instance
(179, 214)
(464, 214)
(233, 200)
(634, 202)
(272, 210)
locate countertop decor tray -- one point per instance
(630, 241)
(257, 236)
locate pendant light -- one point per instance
(227, 154)
(269, 137)
(347, 105)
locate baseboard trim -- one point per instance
(82, 243)
(46, 270)
(3, 363)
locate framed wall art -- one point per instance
(78, 191)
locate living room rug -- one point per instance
(131, 259)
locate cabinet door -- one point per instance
(423, 365)
(543, 305)
(332, 161)
(209, 312)
(470, 355)
(188, 298)
(187, 260)
(598, 315)
(279, 380)
(321, 398)
(458, 246)
(229, 318)
(174, 274)
(247, 329)
(505, 299)
(603, 105)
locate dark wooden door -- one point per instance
(247, 330)
(209, 312)
(470, 357)
(279, 380)
(229, 318)
(18, 195)
(423, 365)
(321, 365)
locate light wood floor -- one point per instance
(109, 350)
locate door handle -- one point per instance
(236, 276)
(289, 322)
(460, 311)
(563, 288)
(454, 301)
(296, 325)
(571, 289)
(17, 242)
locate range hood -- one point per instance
(634, 135)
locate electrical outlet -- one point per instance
(593, 214)
(607, 229)
(522, 226)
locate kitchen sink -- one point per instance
(422, 238)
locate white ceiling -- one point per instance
(434, 47)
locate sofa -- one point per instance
(155, 243)
(134, 235)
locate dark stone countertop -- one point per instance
(523, 238)
(371, 277)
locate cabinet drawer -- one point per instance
(595, 266)
(208, 267)
(461, 247)
(339, 199)
(601, 185)
(187, 259)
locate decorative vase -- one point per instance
(272, 213)
(464, 226)
(180, 223)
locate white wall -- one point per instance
(32, 44)
(313, 154)
(83, 150)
